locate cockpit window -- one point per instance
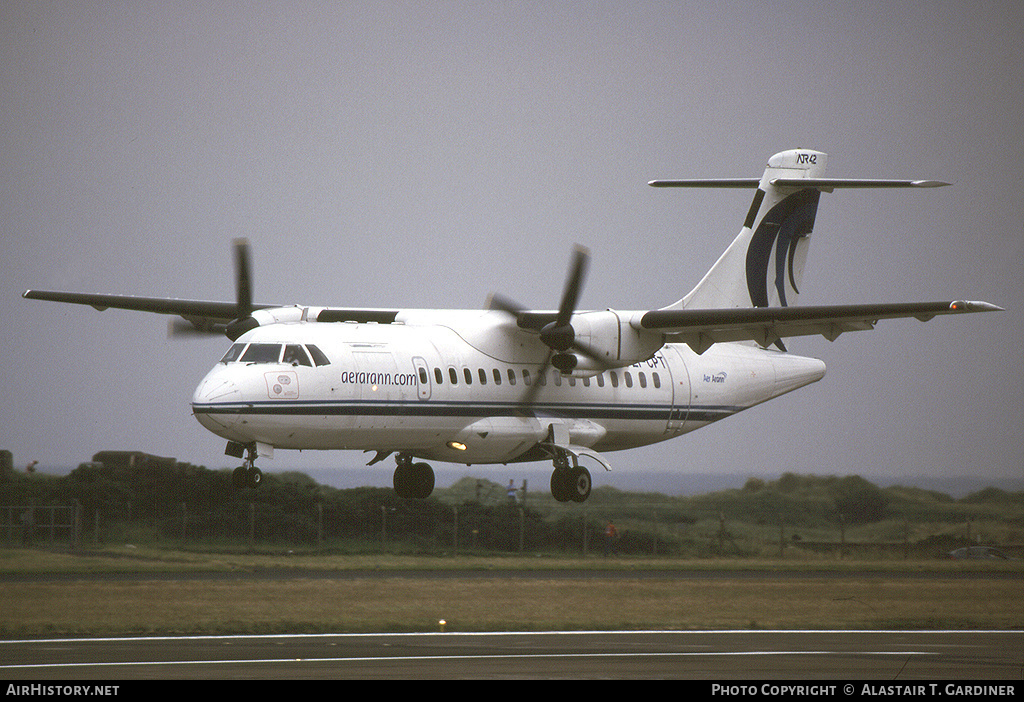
(233, 353)
(295, 355)
(262, 353)
(318, 356)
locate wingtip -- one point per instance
(974, 306)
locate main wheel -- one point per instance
(561, 480)
(579, 484)
(414, 480)
(422, 480)
(403, 480)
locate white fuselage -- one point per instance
(450, 385)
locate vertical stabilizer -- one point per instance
(763, 266)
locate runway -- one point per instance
(635, 655)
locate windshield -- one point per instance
(293, 354)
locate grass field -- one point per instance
(281, 593)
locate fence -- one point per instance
(642, 529)
(27, 524)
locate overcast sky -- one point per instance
(426, 154)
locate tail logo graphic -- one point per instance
(775, 246)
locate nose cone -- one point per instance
(211, 401)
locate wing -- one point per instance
(214, 311)
(202, 314)
(700, 329)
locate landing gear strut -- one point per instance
(246, 475)
(413, 480)
(570, 482)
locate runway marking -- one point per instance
(505, 657)
(451, 634)
(481, 634)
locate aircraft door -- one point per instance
(680, 390)
(422, 378)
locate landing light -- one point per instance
(457, 445)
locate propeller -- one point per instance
(243, 278)
(558, 335)
(242, 314)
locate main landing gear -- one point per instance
(246, 475)
(413, 480)
(570, 482)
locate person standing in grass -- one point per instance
(611, 535)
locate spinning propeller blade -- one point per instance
(558, 335)
(189, 327)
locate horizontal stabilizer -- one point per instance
(706, 183)
(826, 184)
(829, 184)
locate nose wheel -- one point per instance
(247, 475)
(413, 480)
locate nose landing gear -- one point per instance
(246, 475)
(413, 480)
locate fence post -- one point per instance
(76, 525)
(654, 520)
(586, 533)
(319, 525)
(842, 536)
(906, 539)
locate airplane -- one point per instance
(506, 384)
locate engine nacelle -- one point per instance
(614, 341)
(265, 317)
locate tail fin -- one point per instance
(763, 267)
